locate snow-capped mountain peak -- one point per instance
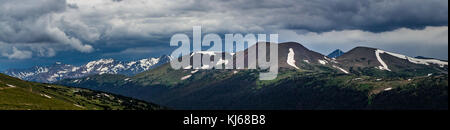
(60, 71)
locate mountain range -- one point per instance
(363, 78)
(58, 71)
(356, 59)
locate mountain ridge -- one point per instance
(298, 57)
(306, 80)
(58, 71)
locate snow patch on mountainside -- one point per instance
(186, 77)
(147, 63)
(132, 63)
(337, 67)
(323, 62)
(78, 106)
(419, 61)
(21, 75)
(188, 67)
(75, 69)
(42, 70)
(333, 60)
(53, 78)
(195, 71)
(221, 61)
(290, 58)
(211, 53)
(11, 86)
(205, 67)
(45, 95)
(98, 62)
(384, 65)
(410, 59)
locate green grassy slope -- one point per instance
(16, 94)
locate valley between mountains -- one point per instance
(360, 79)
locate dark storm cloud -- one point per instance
(46, 27)
(384, 15)
(326, 15)
(25, 9)
(28, 26)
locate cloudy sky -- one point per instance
(41, 32)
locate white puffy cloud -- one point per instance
(18, 54)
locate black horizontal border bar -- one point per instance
(272, 119)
